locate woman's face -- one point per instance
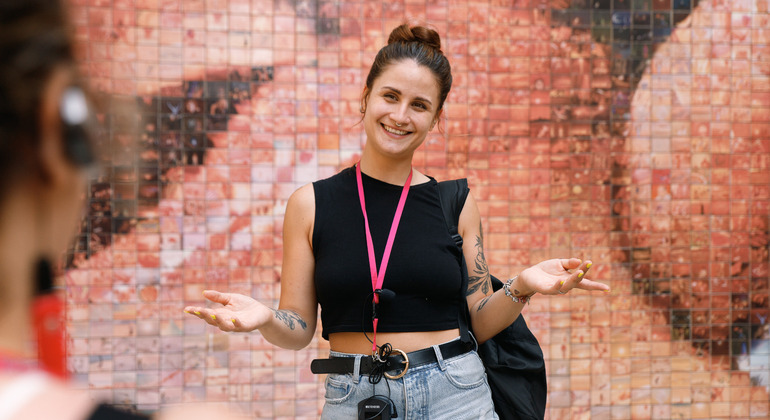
(400, 109)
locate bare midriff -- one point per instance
(357, 343)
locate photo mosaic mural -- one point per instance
(635, 133)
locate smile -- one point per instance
(394, 131)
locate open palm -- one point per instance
(239, 313)
(558, 276)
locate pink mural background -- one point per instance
(632, 132)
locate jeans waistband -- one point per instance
(341, 363)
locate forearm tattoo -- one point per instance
(483, 303)
(478, 277)
(289, 318)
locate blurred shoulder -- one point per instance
(37, 395)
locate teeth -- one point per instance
(394, 131)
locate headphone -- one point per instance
(76, 119)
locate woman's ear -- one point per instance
(436, 118)
(364, 99)
(53, 164)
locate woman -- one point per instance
(45, 149)
(381, 221)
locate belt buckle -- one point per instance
(406, 366)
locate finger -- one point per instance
(204, 314)
(576, 277)
(586, 284)
(592, 285)
(586, 265)
(570, 263)
(220, 319)
(194, 311)
(571, 282)
(236, 324)
(223, 321)
(556, 288)
(217, 297)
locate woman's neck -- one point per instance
(14, 329)
(15, 317)
(386, 170)
(16, 273)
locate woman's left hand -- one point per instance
(558, 276)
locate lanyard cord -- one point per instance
(379, 277)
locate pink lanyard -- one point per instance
(379, 277)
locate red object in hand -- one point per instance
(48, 320)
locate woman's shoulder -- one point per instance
(345, 175)
(332, 188)
(301, 201)
(39, 395)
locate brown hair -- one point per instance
(34, 41)
(418, 43)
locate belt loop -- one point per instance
(439, 357)
(357, 369)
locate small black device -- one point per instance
(376, 407)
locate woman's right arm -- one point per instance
(292, 325)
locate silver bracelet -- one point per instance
(507, 288)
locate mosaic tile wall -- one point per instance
(632, 132)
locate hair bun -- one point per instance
(405, 33)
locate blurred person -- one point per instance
(47, 145)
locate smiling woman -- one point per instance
(400, 108)
(405, 91)
(371, 247)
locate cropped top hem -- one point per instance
(425, 327)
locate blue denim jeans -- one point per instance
(454, 388)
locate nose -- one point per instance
(400, 115)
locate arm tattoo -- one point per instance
(478, 278)
(288, 318)
(483, 303)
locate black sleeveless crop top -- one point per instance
(424, 270)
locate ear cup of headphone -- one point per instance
(75, 118)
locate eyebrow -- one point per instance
(399, 92)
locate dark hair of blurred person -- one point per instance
(45, 148)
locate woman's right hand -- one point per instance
(238, 313)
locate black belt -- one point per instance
(400, 361)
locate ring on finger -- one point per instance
(562, 293)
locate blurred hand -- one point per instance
(557, 276)
(238, 313)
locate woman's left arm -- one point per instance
(492, 312)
